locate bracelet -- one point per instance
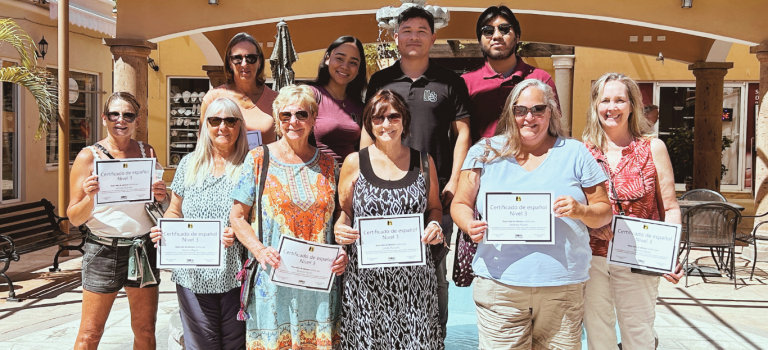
(436, 223)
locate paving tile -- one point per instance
(669, 344)
(705, 345)
(40, 345)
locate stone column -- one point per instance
(708, 123)
(130, 74)
(216, 75)
(761, 147)
(564, 83)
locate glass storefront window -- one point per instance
(9, 145)
(83, 117)
(677, 108)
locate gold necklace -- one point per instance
(343, 99)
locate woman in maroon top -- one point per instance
(640, 169)
(341, 80)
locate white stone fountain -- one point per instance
(387, 16)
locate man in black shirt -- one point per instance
(439, 105)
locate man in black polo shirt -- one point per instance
(439, 105)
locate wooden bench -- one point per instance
(30, 227)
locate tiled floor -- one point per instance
(709, 315)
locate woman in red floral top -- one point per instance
(641, 171)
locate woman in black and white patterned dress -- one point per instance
(209, 299)
(388, 307)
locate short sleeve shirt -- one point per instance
(337, 127)
(489, 90)
(568, 169)
(207, 199)
(436, 99)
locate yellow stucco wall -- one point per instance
(87, 55)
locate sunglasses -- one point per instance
(393, 118)
(228, 121)
(238, 59)
(300, 115)
(128, 117)
(522, 111)
(488, 30)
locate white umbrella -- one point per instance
(283, 56)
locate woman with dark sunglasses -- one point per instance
(530, 294)
(389, 307)
(341, 80)
(244, 70)
(209, 298)
(115, 233)
(297, 201)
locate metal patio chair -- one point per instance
(752, 238)
(702, 194)
(712, 225)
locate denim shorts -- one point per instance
(105, 268)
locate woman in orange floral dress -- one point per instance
(297, 201)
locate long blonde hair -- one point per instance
(507, 125)
(201, 160)
(593, 132)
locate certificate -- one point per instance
(305, 265)
(190, 243)
(644, 244)
(123, 181)
(387, 241)
(519, 218)
(254, 139)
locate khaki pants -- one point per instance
(614, 291)
(510, 317)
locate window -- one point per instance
(9, 145)
(83, 116)
(677, 103)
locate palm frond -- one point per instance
(43, 87)
(11, 33)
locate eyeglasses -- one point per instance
(228, 121)
(522, 111)
(238, 59)
(393, 118)
(489, 30)
(300, 115)
(128, 117)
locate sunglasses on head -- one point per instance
(238, 59)
(216, 121)
(522, 111)
(393, 118)
(300, 115)
(128, 117)
(488, 30)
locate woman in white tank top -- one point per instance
(117, 232)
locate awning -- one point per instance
(86, 18)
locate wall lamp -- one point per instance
(43, 46)
(152, 64)
(213, 2)
(687, 4)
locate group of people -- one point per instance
(342, 148)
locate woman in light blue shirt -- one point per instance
(532, 295)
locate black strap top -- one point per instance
(414, 169)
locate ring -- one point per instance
(269, 254)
